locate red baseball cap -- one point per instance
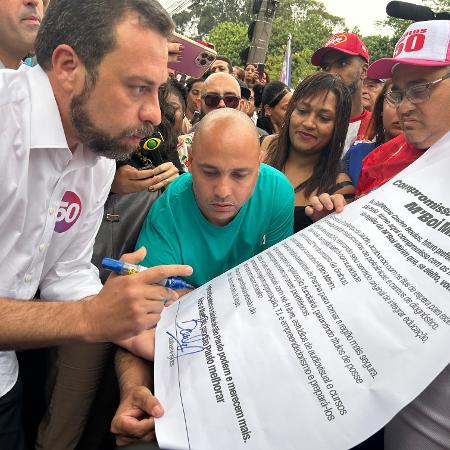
(424, 44)
(348, 43)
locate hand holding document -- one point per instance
(319, 341)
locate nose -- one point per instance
(222, 188)
(221, 104)
(32, 2)
(309, 121)
(150, 111)
(405, 106)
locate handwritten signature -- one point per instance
(188, 344)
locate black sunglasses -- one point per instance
(213, 100)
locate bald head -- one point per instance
(225, 160)
(223, 85)
(219, 78)
(227, 124)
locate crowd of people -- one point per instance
(239, 163)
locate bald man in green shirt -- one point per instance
(229, 208)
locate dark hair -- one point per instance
(267, 77)
(88, 26)
(173, 86)
(258, 90)
(167, 125)
(240, 72)
(227, 60)
(375, 129)
(271, 95)
(191, 82)
(327, 168)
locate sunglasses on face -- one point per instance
(213, 100)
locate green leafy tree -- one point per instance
(308, 22)
(310, 26)
(398, 26)
(301, 65)
(230, 39)
(204, 15)
(439, 5)
(379, 46)
(383, 46)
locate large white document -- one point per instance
(319, 341)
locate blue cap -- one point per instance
(112, 264)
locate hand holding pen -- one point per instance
(126, 305)
(125, 268)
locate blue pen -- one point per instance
(124, 268)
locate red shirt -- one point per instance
(365, 119)
(385, 162)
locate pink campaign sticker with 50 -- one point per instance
(68, 213)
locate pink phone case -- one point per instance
(195, 58)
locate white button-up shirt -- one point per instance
(51, 204)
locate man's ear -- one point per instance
(67, 68)
(190, 154)
(243, 105)
(364, 68)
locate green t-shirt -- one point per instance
(176, 232)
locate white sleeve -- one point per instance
(73, 276)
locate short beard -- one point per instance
(353, 86)
(99, 142)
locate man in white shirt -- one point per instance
(19, 24)
(94, 94)
(420, 71)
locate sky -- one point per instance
(362, 13)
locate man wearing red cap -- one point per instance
(344, 54)
(420, 71)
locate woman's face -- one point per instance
(194, 97)
(175, 102)
(312, 123)
(278, 112)
(250, 74)
(391, 123)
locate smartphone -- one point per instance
(260, 68)
(196, 58)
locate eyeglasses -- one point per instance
(213, 100)
(416, 94)
(388, 100)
